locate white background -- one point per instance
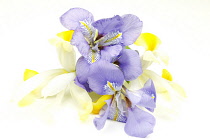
(26, 25)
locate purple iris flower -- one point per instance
(130, 64)
(107, 79)
(102, 39)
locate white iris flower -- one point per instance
(56, 82)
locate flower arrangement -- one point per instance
(126, 89)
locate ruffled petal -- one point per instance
(58, 84)
(131, 29)
(79, 41)
(107, 25)
(139, 123)
(36, 82)
(66, 53)
(105, 77)
(130, 64)
(100, 122)
(71, 19)
(83, 99)
(110, 52)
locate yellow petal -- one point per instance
(29, 99)
(149, 41)
(29, 73)
(100, 103)
(66, 35)
(167, 75)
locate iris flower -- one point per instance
(56, 82)
(151, 44)
(102, 39)
(122, 104)
(170, 93)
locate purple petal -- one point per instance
(144, 97)
(79, 41)
(102, 72)
(84, 85)
(139, 123)
(131, 29)
(99, 122)
(71, 19)
(149, 89)
(110, 52)
(130, 64)
(107, 25)
(82, 70)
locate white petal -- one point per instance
(36, 82)
(58, 84)
(161, 85)
(145, 64)
(138, 83)
(66, 53)
(178, 89)
(83, 99)
(149, 56)
(162, 56)
(59, 97)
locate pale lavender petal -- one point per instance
(79, 41)
(100, 122)
(150, 89)
(149, 98)
(82, 70)
(139, 123)
(84, 85)
(131, 29)
(71, 19)
(130, 64)
(144, 97)
(102, 72)
(110, 52)
(107, 25)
